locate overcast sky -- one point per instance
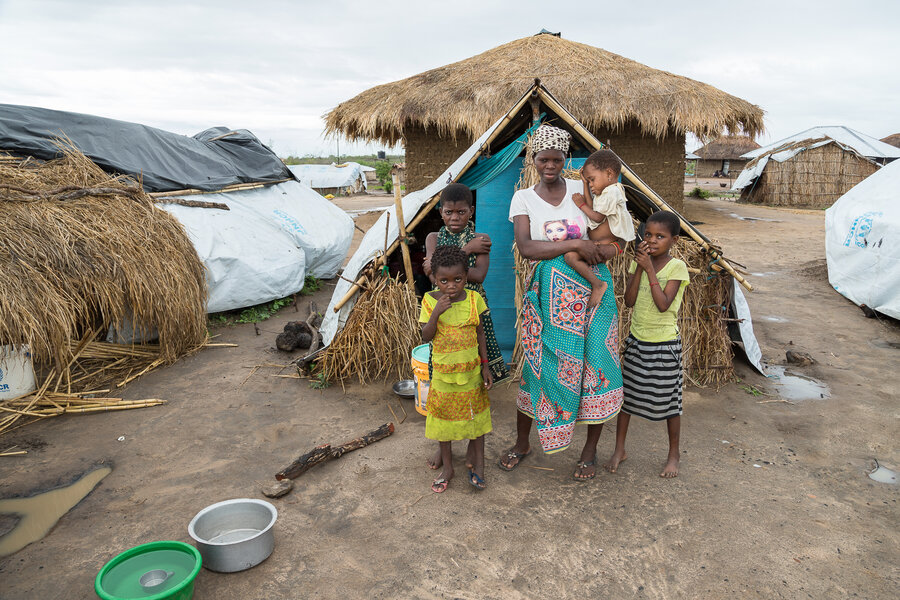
(275, 67)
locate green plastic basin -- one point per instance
(168, 570)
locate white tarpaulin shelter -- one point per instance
(344, 178)
(374, 240)
(847, 138)
(263, 247)
(863, 258)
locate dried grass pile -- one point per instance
(81, 251)
(380, 333)
(703, 319)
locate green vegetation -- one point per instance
(383, 173)
(319, 381)
(369, 160)
(261, 312)
(699, 192)
(690, 167)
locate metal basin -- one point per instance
(405, 388)
(235, 534)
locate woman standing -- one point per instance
(572, 372)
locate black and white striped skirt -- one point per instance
(652, 378)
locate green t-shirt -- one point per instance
(647, 323)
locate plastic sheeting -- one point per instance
(863, 259)
(374, 240)
(349, 175)
(263, 247)
(846, 138)
(864, 145)
(164, 161)
(741, 311)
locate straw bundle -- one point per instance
(707, 354)
(82, 252)
(379, 335)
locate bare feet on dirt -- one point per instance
(612, 465)
(435, 461)
(671, 468)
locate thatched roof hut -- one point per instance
(893, 140)
(642, 112)
(724, 155)
(496, 164)
(812, 168)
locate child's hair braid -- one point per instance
(449, 256)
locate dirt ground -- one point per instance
(807, 522)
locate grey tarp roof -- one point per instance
(165, 161)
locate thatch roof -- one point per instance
(601, 89)
(893, 139)
(727, 147)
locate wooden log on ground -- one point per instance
(327, 452)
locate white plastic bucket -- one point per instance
(16, 372)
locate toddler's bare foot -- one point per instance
(597, 294)
(435, 461)
(612, 465)
(671, 468)
(470, 455)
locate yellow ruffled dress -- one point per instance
(458, 404)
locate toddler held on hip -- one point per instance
(600, 175)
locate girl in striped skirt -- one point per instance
(651, 363)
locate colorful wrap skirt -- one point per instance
(572, 372)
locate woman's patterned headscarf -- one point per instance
(547, 137)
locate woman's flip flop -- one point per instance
(512, 454)
(439, 486)
(475, 481)
(581, 465)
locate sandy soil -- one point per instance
(806, 523)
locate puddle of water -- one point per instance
(38, 514)
(885, 344)
(883, 474)
(792, 386)
(742, 218)
(775, 319)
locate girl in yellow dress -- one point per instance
(458, 404)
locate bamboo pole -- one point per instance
(640, 185)
(401, 226)
(229, 188)
(436, 198)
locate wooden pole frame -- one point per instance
(436, 198)
(401, 227)
(549, 100)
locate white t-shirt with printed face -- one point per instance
(548, 222)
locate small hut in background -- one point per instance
(893, 140)
(722, 156)
(812, 168)
(641, 113)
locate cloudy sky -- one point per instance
(275, 67)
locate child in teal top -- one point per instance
(651, 362)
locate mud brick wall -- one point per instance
(706, 168)
(660, 163)
(428, 155)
